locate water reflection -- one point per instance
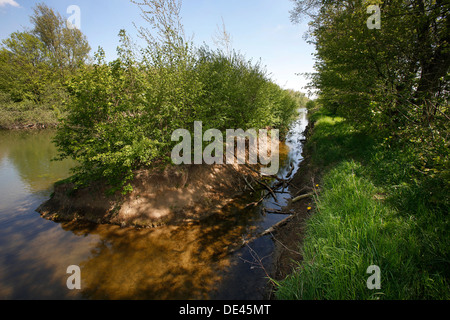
(188, 262)
(30, 153)
(165, 263)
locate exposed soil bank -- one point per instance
(174, 195)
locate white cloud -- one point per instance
(10, 2)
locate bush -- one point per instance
(122, 114)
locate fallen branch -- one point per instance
(294, 186)
(274, 211)
(280, 179)
(268, 188)
(302, 197)
(270, 230)
(258, 263)
(254, 204)
(302, 189)
(248, 184)
(290, 171)
(278, 185)
(264, 233)
(257, 202)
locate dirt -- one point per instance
(174, 195)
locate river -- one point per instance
(187, 262)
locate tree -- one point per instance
(392, 81)
(67, 47)
(35, 64)
(24, 71)
(395, 75)
(122, 114)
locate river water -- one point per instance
(188, 262)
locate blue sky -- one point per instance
(260, 29)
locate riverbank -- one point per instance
(288, 239)
(189, 261)
(169, 196)
(370, 208)
(29, 126)
(27, 115)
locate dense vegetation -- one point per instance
(380, 138)
(381, 144)
(115, 117)
(122, 113)
(373, 208)
(34, 68)
(393, 80)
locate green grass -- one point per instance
(21, 114)
(372, 210)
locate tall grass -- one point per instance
(372, 210)
(21, 114)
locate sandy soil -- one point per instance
(160, 197)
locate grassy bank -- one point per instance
(24, 114)
(373, 208)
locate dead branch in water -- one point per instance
(254, 204)
(264, 233)
(290, 171)
(268, 188)
(258, 263)
(274, 211)
(302, 189)
(269, 231)
(302, 197)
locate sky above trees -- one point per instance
(259, 29)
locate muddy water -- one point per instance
(189, 262)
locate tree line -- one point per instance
(119, 115)
(35, 64)
(392, 81)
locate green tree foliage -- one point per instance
(393, 80)
(67, 47)
(123, 113)
(383, 130)
(23, 72)
(34, 65)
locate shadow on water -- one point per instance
(177, 262)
